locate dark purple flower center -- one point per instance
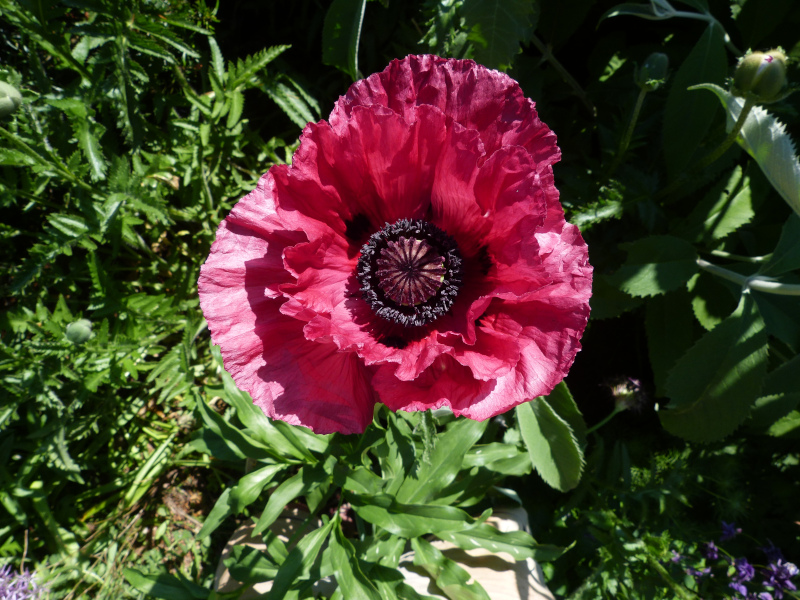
(410, 272)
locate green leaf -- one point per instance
(244, 73)
(240, 444)
(445, 463)
(554, 451)
(306, 479)
(216, 60)
(452, 579)
(519, 544)
(291, 102)
(655, 265)
(497, 28)
(713, 298)
(786, 256)
(235, 111)
(341, 35)
(163, 585)
(687, 117)
(765, 139)
(668, 323)
(562, 402)
(298, 563)
(250, 486)
(87, 133)
(790, 424)
(69, 225)
(349, 575)
(409, 520)
(221, 511)
(725, 208)
(713, 385)
(780, 316)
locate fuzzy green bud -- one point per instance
(653, 72)
(79, 332)
(10, 99)
(760, 74)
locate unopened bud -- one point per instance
(10, 99)
(79, 332)
(653, 72)
(760, 74)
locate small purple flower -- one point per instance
(738, 587)
(698, 572)
(675, 557)
(710, 551)
(778, 576)
(17, 586)
(729, 531)
(772, 552)
(744, 570)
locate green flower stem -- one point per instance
(626, 139)
(741, 258)
(710, 158)
(749, 103)
(547, 54)
(610, 416)
(754, 282)
(679, 590)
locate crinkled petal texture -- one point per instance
(443, 141)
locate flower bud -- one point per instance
(653, 72)
(762, 74)
(10, 99)
(79, 332)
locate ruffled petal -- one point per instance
(478, 98)
(289, 377)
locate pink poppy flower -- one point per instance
(415, 253)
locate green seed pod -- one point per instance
(761, 74)
(653, 72)
(79, 332)
(10, 99)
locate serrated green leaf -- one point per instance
(341, 35)
(554, 451)
(713, 299)
(725, 209)
(244, 73)
(780, 316)
(765, 139)
(87, 133)
(668, 323)
(496, 29)
(235, 111)
(216, 59)
(291, 102)
(655, 265)
(786, 256)
(14, 158)
(69, 225)
(790, 424)
(687, 117)
(562, 402)
(712, 386)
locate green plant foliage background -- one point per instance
(127, 454)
